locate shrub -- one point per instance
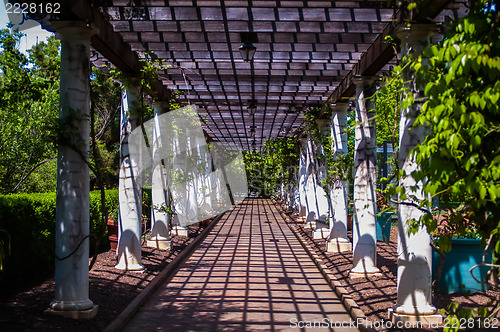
(29, 219)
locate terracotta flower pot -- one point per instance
(113, 234)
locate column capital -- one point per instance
(360, 80)
(160, 106)
(340, 106)
(75, 27)
(322, 123)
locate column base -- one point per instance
(159, 244)
(74, 314)
(321, 233)
(338, 245)
(130, 267)
(301, 219)
(364, 273)
(414, 321)
(310, 224)
(180, 231)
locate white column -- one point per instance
(302, 206)
(323, 203)
(129, 186)
(180, 188)
(160, 196)
(414, 301)
(310, 186)
(365, 181)
(338, 241)
(207, 178)
(72, 205)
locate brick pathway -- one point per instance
(250, 273)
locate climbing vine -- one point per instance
(334, 166)
(460, 158)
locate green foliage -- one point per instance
(460, 159)
(276, 164)
(280, 157)
(43, 179)
(30, 221)
(106, 103)
(29, 96)
(338, 166)
(254, 166)
(149, 74)
(387, 103)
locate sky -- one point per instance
(33, 35)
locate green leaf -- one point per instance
(482, 192)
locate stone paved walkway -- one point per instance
(250, 273)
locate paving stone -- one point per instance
(250, 273)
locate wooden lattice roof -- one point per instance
(307, 51)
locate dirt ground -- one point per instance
(377, 294)
(22, 309)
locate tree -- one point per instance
(105, 103)
(29, 99)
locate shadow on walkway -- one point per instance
(250, 273)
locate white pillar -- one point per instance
(414, 301)
(310, 187)
(323, 203)
(160, 196)
(129, 186)
(180, 187)
(207, 191)
(72, 205)
(338, 241)
(302, 206)
(365, 181)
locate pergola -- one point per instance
(308, 54)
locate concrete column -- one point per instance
(160, 196)
(338, 241)
(323, 203)
(310, 187)
(181, 190)
(72, 205)
(302, 206)
(365, 181)
(129, 185)
(414, 251)
(207, 203)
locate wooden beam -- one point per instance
(106, 41)
(380, 52)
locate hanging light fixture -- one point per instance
(252, 107)
(252, 131)
(253, 145)
(247, 51)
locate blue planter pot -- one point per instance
(455, 277)
(384, 226)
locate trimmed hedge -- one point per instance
(30, 221)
